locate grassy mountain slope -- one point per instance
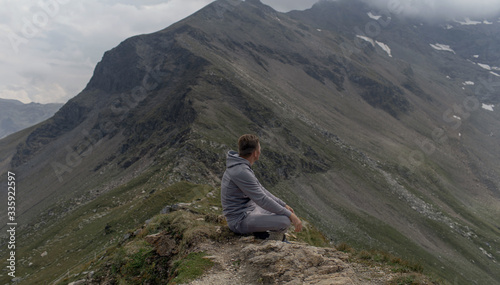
(361, 144)
(190, 241)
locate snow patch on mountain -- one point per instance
(373, 16)
(485, 66)
(366, 39)
(442, 47)
(468, 22)
(488, 107)
(385, 48)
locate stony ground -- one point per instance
(241, 260)
(250, 261)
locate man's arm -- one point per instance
(296, 222)
(248, 183)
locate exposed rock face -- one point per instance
(282, 263)
(249, 261)
(65, 120)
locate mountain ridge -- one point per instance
(17, 115)
(360, 143)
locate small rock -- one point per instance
(248, 239)
(126, 236)
(180, 206)
(79, 282)
(166, 210)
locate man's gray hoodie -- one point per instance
(241, 192)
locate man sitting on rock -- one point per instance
(247, 205)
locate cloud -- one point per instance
(49, 48)
(288, 5)
(439, 9)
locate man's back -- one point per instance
(235, 203)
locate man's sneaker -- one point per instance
(261, 235)
(271, 235)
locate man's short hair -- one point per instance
(247, 144)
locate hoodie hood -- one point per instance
(233, 159)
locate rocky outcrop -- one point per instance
(278, 262)
(250, 261)
(188, 234)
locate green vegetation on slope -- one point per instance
(177, 236)
(79, 235)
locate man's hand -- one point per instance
(289, 208)
(296, 222)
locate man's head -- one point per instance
(249, 147)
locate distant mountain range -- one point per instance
(15, 115)
(382, 131)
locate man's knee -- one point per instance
(284, 222)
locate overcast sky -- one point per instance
(441, 8)
(49, 48)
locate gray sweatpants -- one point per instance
(260, 220)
